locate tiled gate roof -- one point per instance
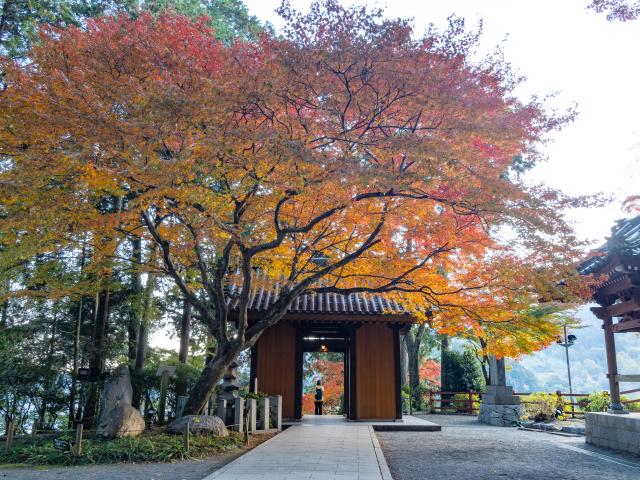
(262, 297)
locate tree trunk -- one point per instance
(444, 348)
(210, 376)
(133, 327)
(444, 380)
(48, 378)
(404, 361)
(183, 353)
(185, 331)
(97, 354)
(76, 348)
(484, 362)
(4, 313)
(413, 341)
(143, 336)
(76, 366)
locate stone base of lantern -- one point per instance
(500, 407)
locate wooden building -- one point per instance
(618, 294)
(366, 328)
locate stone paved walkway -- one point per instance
(468, 450)
(322, 448)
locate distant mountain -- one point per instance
(547, 370)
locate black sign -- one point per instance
(83, 373)
(60, 444)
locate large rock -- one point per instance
(199, 425)
(117, 390)
(121, 421)
(117, 417)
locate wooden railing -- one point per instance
(571, 401)
(469, 402)
(454, 402)
(632, 404)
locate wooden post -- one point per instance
(186, 437)
(470, 403)
(612, 367)
(77, 449)
(164, 384)
(432, 402)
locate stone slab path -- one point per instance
(324, 449)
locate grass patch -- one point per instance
(148, 447)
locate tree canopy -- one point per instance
(19, 19)
(392, 158)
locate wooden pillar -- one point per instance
(398, 371)
(612, 367)
(352, 413)
(345, 378)
(298, 373)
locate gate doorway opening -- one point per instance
(324, 354)
(328, 367)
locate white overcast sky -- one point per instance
(560, 47)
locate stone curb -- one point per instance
(551, 432)
(382, 462)
(552, 427)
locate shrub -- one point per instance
(405, 398)
(633, 406)
(148, 447)
(596, 402)
(599, 402)
(461, 372)
(461, 402)
(541, 407)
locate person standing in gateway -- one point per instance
(319, 397)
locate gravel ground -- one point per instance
(188, 470)
(466, 449)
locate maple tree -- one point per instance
(19, 19)
(430, 371)
(392, 157)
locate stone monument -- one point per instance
(499, 407)
(117, 417)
